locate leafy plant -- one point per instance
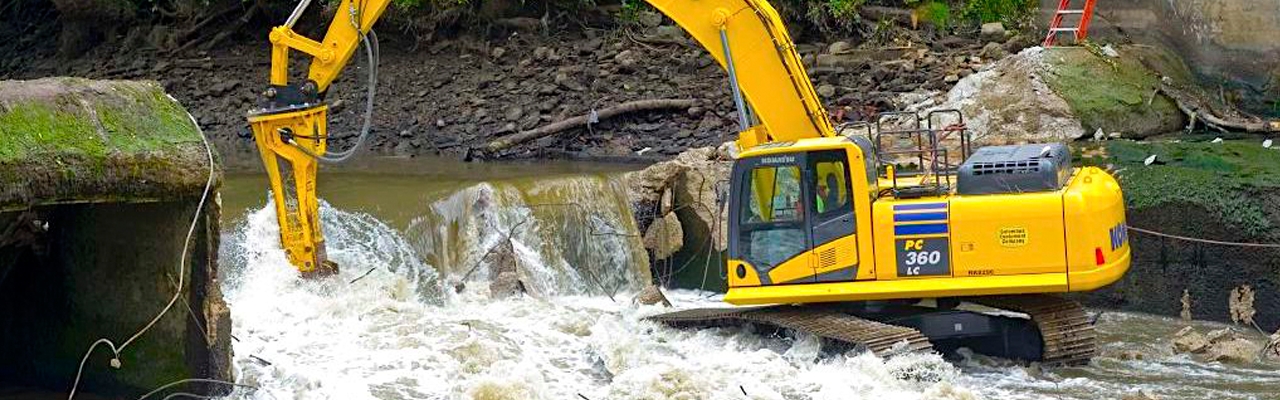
(844, 9)
(1007, 11)
(934, 12)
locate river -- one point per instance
(412, 316)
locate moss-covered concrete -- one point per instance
(98, 183)
(77, 140)
(1116, 94)
(1222, 191)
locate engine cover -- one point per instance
(1014, 169)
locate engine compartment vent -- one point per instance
(1015, 169)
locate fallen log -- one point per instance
(508, 141)
(1197, 110)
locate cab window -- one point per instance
(831, 186)
(772, 221)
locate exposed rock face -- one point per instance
(1231, 43)
(1010, 103)
(694, 179)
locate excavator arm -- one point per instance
(747, 38)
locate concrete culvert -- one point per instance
(100, 182)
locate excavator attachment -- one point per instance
(281, 138)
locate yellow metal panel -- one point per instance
(886, 257)
(1093, 208)
(769, 70)
(749, 277)
(843, 251)
(794, 269)
(1007, 234)
(899, 289)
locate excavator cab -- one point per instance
(791, 204)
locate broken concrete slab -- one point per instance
(99, 183)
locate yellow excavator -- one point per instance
(889, 236)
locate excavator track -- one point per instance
(1067, 333)
(830, 325)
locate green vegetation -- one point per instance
(844, 9)
(1110, 93)
(1234, 180)
(137, 119)
(1010, 12)
(934, 12)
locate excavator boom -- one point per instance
(747, 38)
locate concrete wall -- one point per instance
(1232, 43)
(104, 271)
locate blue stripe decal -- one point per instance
(920, 206)
(925, 229)
(932, 216)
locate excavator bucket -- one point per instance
(288, 142)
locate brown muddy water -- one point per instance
(393, 325)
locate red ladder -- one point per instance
(1064, 9)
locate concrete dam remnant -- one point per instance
(106, 188)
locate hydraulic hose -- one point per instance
(371, 53)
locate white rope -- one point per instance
(182, 267)
(1208, 241)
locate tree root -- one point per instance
(509, 141)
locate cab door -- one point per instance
(832, 223)
(769, 236)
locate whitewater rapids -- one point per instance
(398, 334)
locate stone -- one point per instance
(649, 19)
(1140, 395)
(651, 295)
(1188, 340)
(1271, 351)
(664, 237)
(826, 90)
(498, 52)
(839, 47)
(1233, 350)
(514, 113)
(951, 78)
(993, 51)
(993, 31)
(403, 149)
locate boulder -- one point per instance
(993, 31)
(695, 178)
(1010, 103)
(1271, 351)
(1233, 350)
(664, 236)
(1188, 340)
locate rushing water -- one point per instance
(411, 315)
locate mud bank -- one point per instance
(99, 183)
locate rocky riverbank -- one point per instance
(451, 94)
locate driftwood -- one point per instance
(514, 139)
(1199, 110)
